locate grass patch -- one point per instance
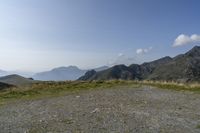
(51, 89)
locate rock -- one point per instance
(95, 110)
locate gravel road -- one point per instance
(117, 110)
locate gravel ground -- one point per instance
(140, 110)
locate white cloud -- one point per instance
(195, 38)
(185, 40)
(143, 51)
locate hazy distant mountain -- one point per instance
(3, 73)
(63, 73)
(184, 67)
(60, 73)
(22, 73)
(16, 80)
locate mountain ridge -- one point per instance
(182, 68)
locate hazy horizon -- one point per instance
(39, 35)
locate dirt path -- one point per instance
(124, 110)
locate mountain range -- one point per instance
(182, 68)
(63, 73)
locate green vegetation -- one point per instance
(51, 89)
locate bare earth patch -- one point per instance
(122, 110)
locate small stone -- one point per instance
(95, 110)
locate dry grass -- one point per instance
(172, 85)
(50, 89)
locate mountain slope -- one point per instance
(4, 86)
(148, 68)
(16, 80)
(184, 67)
(116, 72)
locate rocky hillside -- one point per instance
(183, 68)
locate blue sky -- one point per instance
(37, 35)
